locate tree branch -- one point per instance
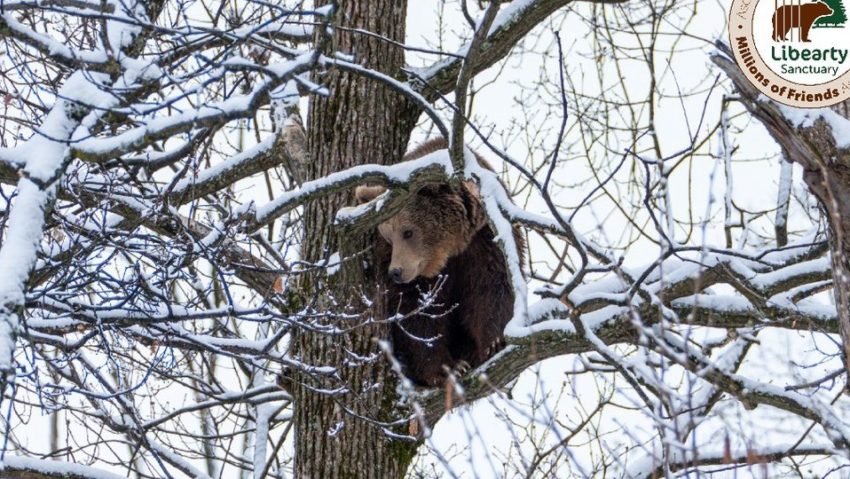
(511, 26)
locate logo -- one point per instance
(794, 51)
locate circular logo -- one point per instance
(794, 51)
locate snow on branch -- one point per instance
(238, 106)
(429, 168)
(45, 469)
(91, 60)
(122, 269)
(603, 309)
(806, 118)
(712, 454)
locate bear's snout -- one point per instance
(395, 275)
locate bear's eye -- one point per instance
(407, 234)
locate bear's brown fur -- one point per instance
(440, 240)
(802, 16)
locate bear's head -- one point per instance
(821, 9)
(437, 222)
(818, 9)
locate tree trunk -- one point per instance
(827, 174)
(830, 183)
(361, 121)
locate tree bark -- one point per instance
(361, 121)
(828, 178)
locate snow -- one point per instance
(47, 43)
(333, 264)
(795, 249)
(784, 194)
(140, 69)
(648, 465)
(45, 162)
(17, 254)
(176, 459)
(325, 10)
(233, 107)
(766, 280)
(816, 309)
(605, 288)
(263, 415)
(805, 118)
(716, 302)
(295, 30)
(510, 14)
(726, 154)
(57, 468)
(496, 200)
(397, 174)
(610, 289)
(546, 308)
(593, 319)
(46, 156)
(350, 214)
(824, 412)
(106, 313)
(504, 18)
(233, 163)
(121, 33)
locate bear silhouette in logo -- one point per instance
(800, 16)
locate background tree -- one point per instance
(176, 241)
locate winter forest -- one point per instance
(190, 289)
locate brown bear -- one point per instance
(800, 16)
(440, 243)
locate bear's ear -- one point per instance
(366, 193)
